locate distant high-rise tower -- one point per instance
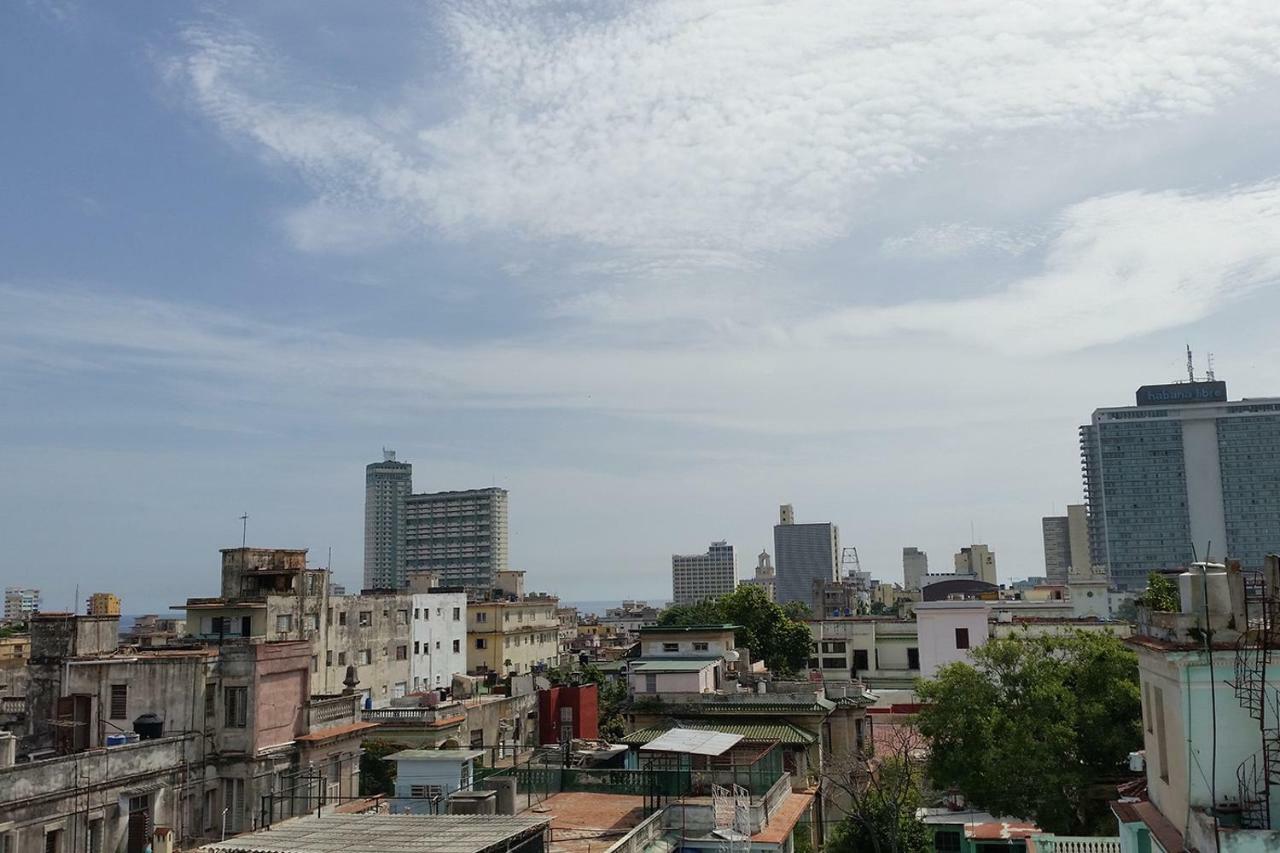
(461, 536)
(977, 560)
(1184, 474)
(915, 565)
(695, 577)
(1066, 544)
(1057, 547)
(386, 486)
(805, 553)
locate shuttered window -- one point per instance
(119, 702)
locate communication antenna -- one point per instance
(388, 455)
(244, 530)
(1208, 373)
(1191, 370)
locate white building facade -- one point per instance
(695, 577)
(439, 641)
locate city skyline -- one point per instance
(250, 252)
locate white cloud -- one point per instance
(958, 239)
(697, 126)
(1117, 266)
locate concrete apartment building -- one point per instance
(915, 565)
(696, 577)
(979, 561)
(201, 740)
(20, 603)
(805, 553)
(387, 484)
(461, 536)
(511, 632)
(1182, 473)
(270, 594)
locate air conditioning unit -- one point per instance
(1138, 761)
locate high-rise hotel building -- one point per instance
(461, 536)
(386, 485)
(698, 576)
(1184, 474)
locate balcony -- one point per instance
(326, 712)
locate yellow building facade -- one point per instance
(512, 636)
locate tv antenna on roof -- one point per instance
(1208, 373)
(1191, 370)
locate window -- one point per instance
(95, 836)
(962, 638)
(328, 657)
(428, 792)
(342, 658)
(315, 663)
(834, 647)
(860, 663)
(457, 645)
(946, 841)
(913, 658)
(313, 621)
(833, 663)
(402, 617)
(1162, 746)
(402, 652)
(342, 617)
(457, 613)
(650, 682)
(700, 647)
(482, 616)
(284, 622)
(119, 702)
(417, 647)
(237, 707)
(482, 643)
(366, 618)
(671, 647)
(364, 657)
(328, 616)
(210, 703)
(417, 613)
(53, 841)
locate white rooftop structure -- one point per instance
(693, 742)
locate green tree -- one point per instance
(763, 627)
(1035, 725)
(1161, 594)
(797, 610)
(377, 775)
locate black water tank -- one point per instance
(149, 727)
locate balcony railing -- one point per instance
(326, 712)
(13, 704)
(1076, 844)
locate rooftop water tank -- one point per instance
(1202, 577)
(149, 727)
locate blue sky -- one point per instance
(655, 267)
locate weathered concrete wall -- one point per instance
(280, 692)
(64, 794)
(171, 684)
(389, 627)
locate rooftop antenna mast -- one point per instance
(1191, 370)
(1208, 373)
(244, 530)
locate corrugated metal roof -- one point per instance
(693, 741)
(784, 733)
(384, 833)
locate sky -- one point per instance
(654, 267)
